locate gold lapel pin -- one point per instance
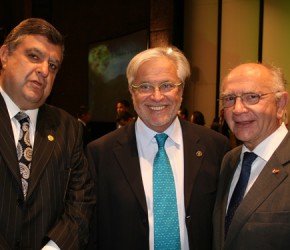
(198, 153)
(275, 171)
(50, 138)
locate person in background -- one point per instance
(198, 118)
(84, 117)
(220, 125)
(46, 195)
(183, 113)
(150, 195)
(124, 118)
(122, 106)
(252, 208)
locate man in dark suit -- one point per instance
(122, 162)
(254, 100)
(46, 202)
(84, 117)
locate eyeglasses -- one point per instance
(148, 88)
(247, 99)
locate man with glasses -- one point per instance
(125, 164)
(252, 209)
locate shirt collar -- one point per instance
(268, 146)
(146, 134)
(13, 109)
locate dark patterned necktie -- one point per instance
(24, 150)
(166, 224)
(240, 188)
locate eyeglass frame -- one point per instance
(242, 96)
(153, 88)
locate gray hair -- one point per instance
(172, 53)
(277, 80)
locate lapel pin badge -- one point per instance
(50, 138)
(275, 171)
(199, 153)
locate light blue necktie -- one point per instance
(166, 225)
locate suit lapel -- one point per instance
(7, 145)
(193, 156)
(228, 168)
(43, 146)
(265, 184)
(127, 154)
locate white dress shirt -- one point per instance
(13, 109)
(147, 149)
(264, 152)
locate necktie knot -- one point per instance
(249, 158)
(22, 118)
(161, 138)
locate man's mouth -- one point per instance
(157, 108)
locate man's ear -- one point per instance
(282, 104)
(3, 55)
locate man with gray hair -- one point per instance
(252, 209)
(156, 178)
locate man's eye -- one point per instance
(33, 57)
(252, 96)
(53, 66)
(229, 98)
(145, 86)
(167, 85)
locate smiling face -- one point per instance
(157, 110)
(253, 123)
(28, 72)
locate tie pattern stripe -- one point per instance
(240, 188)
(166, 224)
(24, 150)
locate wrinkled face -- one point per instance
(157, 110)
(29, 71)
(253, 123)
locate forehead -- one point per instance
(41, 44)
(249, 77)
(156, 68)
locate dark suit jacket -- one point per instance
(59, 199)
(121, 211)
(262, 221)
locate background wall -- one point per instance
(276, 32)
(200, 46)
(82, 23)
(219, 35)
(215, 35)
